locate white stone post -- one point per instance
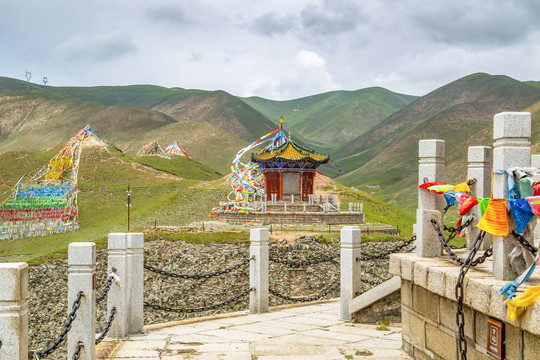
(535, 163)
(274, 197)
(480, 159)
(125, 258)
(135, 262)
(284, 207)
(511, 148)
(258, 270)
(430, 168)
(304, 207)
(350, 278)
(338, 207)
(14, 311)
(361, 207)
(351, 206)
(82, 277)
(292, 198)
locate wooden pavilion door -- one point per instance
(273, 185)
(307, 186)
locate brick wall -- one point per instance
(428, 311)
(292, 218)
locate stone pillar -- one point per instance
(292, 198)
(351, 207)
(480, 159)
(304, 207)
(338, 207)
(350, 281)
(82, 277)
(361, 207)
(274, 197)
(535, 163)
(284, 207)
(135, 263)
(512, 148)
(14, 311)
(126, 260)
(258, 270)
(430, 168)
(311, 199)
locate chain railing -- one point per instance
(460, 316)
(294, 263)
(386, 254)
(77, 353)
(199, 276)
(67, 327)
(307, 298)
(108, 325)
(452, 254)
(199, 309)
(527, 245)
(106, 289)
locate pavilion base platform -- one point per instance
(293, 218)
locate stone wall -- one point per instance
(428, 310)
(293, 218)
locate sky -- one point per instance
(279, 49)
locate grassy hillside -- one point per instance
(103, 180)
(333, 117)
(214, 107)
(156, 197)
(36, 119)
(384, 161)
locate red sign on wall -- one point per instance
(495, 340)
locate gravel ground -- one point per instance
(48, 282)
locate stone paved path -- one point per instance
(309, 332)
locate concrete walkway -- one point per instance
(309, 332)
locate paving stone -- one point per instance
(335, 335)
(236, 335)
(308, 333)
(264, 329)
(290, 325)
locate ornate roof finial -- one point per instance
(281, 123)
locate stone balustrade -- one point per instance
(429, 279)
(125, 266)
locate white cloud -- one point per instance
(96, 48)
(307, 76)
(255, 47)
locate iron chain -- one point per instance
(198, 276)
(308, 298)
(65, 329)
(77, 353)
(204, 308)
(452, 254)
(525, 243)
(105, 289)
(460, 316)
(387, 253)
(293, 263)
(107, 326)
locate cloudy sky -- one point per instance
(278, 49)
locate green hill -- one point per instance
(214, 107)
(37, 119)
(384, 161)
(333, 117)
